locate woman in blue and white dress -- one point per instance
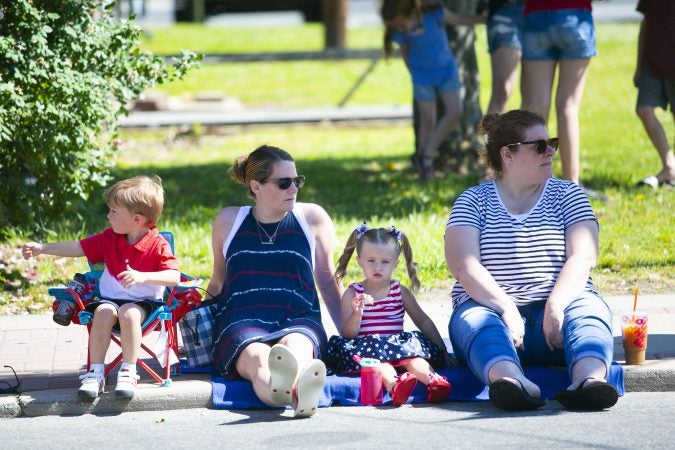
(267, 257)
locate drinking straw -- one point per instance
(634, 304)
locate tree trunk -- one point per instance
(335, 23)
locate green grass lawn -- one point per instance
(362, 172)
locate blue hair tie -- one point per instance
(361, 230)
(396, 233)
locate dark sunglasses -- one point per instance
(542, 144)
(10, 389)
(285, 183)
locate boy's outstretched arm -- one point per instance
(65, 248)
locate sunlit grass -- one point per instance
(362, 172)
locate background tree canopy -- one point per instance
(67, 72)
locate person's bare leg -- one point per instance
(504, 73)
(388, 375)
(510, 371)
(131, 317)
(504, 67)
(452, 103)
(105, 317)
(252, 365)
(586, 368)
(571, 83)
(658, 137)
(301, 346)
(536, 84)
(419, 367)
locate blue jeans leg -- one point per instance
(480, 339)
(587, 331)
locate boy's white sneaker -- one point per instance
(126, 383)
(93, 383)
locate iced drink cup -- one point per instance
(634, 332)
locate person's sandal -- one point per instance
(589, 397)
(402, 388)
(438, 388)
(507, 395)
(283, 369)
(309, 388)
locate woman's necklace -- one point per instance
(270, 239)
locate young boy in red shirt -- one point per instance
(138, 265)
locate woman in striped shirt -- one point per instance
(522, 247)
(372, 315)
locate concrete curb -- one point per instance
(193, 390)
(652, 376)
(183, 395)
(9, 407)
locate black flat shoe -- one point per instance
(593, 397)
(506, 395)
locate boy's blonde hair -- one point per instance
(140, 195)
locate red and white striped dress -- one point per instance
(381, 336)
(385, 315)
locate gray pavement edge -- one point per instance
(188, 391)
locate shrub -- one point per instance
(68, 69)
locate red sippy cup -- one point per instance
(371, 381)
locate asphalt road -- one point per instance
(639, 420)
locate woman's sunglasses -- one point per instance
(285, 183)
(541, 144)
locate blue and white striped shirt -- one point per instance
(524, 253)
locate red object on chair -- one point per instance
(178, 300)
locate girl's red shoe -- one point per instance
(402, 388)
(438, 388)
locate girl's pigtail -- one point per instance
(343, 262)
(411, 265)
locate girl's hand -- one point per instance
(31, 249)
(553, 320)
(357, 304)
(131, 277)
(514, 322)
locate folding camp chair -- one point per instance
(178, 300)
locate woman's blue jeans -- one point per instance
(480, 338)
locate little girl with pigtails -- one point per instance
(371, 319)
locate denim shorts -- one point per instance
(505, 27)
(654, 90)
(480, 338)
(427, 92)
(559, 34)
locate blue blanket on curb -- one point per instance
(342, 390)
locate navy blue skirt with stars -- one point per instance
(390, 349)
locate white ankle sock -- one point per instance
(97, 368)
(128, 366)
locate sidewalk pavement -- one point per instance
(48, 359)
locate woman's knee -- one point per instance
(251, 359)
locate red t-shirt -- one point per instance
(152, 253)
(547, 5)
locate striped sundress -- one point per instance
(269, 289)
(381, 336)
